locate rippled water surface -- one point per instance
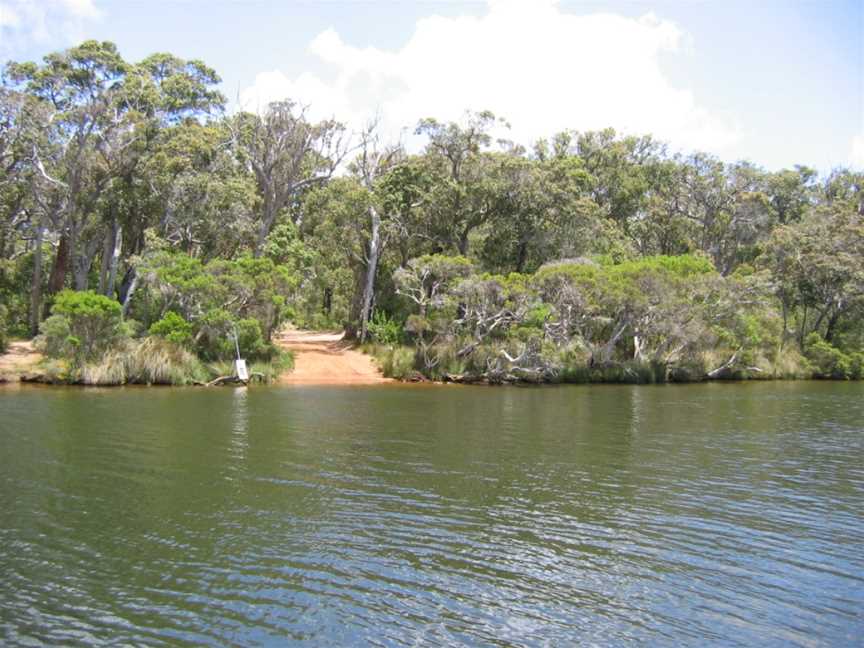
(693, 515)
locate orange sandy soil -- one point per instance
(325, 358)
(19, 358)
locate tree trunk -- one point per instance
(521, 256)
(127, 300)
(83, 261)
(463, 241)
(832, 325)
(107, 248)
(327, 305)
(115, 259)
(57, 278)
(802, 329)
(371, 269)
(609, 348)
(638, 353)
(268, 217)
(36, 287)
(81, 271)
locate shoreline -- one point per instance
(327, 359)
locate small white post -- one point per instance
(242, 373)
(240, 363)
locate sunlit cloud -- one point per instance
(59, 23)
(542, 69)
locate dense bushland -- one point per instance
(143, 230)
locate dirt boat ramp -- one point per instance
(326, 358)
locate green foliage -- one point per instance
(216, 341)
(396, 362)
(594, 256)
(205, 302)
(16, 276)
(83, 325)
(173, 328)
(830, 362)
(384, 330)
(54, 339)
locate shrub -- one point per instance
(92, 325)
(54, 339)
(384, 330)
(173, 328)
(856, 365)
(827, 361)
(394, 361)
(216, 338)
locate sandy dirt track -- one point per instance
(325, 358)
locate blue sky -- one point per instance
(777, 83)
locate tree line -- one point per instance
(589, 255)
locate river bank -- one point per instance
(315, 358)
(327, 358)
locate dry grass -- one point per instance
(151, 361)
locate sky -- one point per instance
(776, 83)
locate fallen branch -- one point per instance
(230, 380)
(731, 361)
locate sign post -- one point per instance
(240, 363)
(242, 372)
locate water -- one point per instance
(695, 515)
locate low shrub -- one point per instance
(83, 325)
(384, 330)
(173, 328)
(54, 338)
(394, 361)
(826, 360)
(215, 339)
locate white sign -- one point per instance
(242, 373)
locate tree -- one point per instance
(98, 114)
(458, 201)
(286, 153)
(817, 265)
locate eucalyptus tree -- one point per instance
(371, 165)
(817, 267)
(622, 170)
(25, 210)
(286, 153)
(101, 111)
(791, 193)
(81, 88)
(458, 200)
(539, 210)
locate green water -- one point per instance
(717, 514)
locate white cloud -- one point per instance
(542, 69)
(56, 22)
(81, 8)
(856, 156)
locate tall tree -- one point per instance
(286, 153)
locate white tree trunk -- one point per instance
(371, 269)
(115, 260)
